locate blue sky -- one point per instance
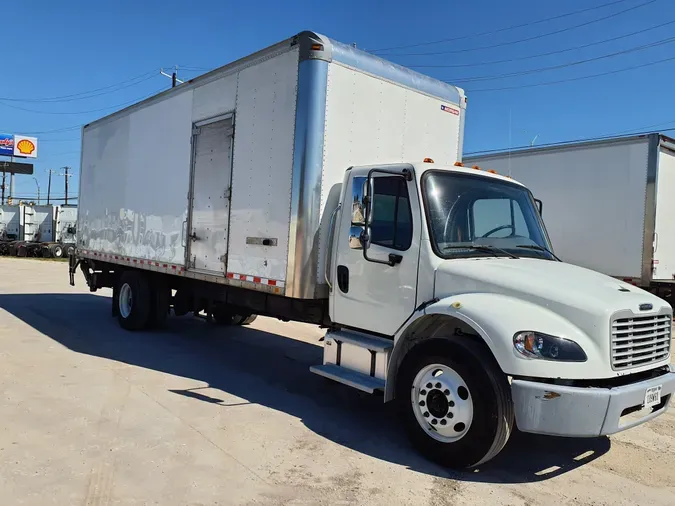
(62, 48)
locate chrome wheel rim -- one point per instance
(126, 300)
(442, 403)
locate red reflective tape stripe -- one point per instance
(242, 276)
(173, 267)
(272, 282)
(256, 279)
(164, 265)
(230, 275)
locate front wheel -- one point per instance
(456, 405)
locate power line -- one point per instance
(547, 83)
(527, 39)
(565, 65)
(529, 57)
(84, 112)
(499, 30)
(79, 96)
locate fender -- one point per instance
(494, 318)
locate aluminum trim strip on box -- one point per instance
(310, 116)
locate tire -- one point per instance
(222, 316)
(160, 296)
(56, 250)
(70, 251)
(479, 417)
(134, 301)
(244, 319)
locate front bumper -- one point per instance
(585, 412)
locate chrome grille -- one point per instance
(640, 340)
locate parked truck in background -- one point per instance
(37, 230)
(608, 203)
(315, 182)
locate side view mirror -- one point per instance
(359, 238)
(358, 201)
(540, 206)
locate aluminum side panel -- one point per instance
(262, 167)
(373, 121)
(134, 181)
(593, 196)
(664, 251)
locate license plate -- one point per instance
(653, 396)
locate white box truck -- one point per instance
(315, 182)
(608, 203)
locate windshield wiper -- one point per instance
(483, 247)
(539, 248)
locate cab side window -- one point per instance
(391, 224)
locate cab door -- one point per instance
(377, 291)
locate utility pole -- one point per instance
(173, 76)
(66, 174)
(4, 176)
(49, 185)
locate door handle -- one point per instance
(193, 236)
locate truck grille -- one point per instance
(640, 340)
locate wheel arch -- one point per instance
(430, 332)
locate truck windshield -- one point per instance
(471, 216)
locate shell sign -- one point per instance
(25, 147)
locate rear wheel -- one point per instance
(160, 296)
(70, 251)
(244, 319)
(56, 251)
(134, 302)
(456, 404)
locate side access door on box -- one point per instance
(209, 199)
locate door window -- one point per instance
(391, 224)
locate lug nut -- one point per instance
(426, 414)
(422, 403)
(450, 415)
(446, 391)
(451, 404)
(434, 421)
(423, 392)
(443, 422)
(438, 385)
(429, 385)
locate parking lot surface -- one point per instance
(201, 415)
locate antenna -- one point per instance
(173, 76)
(534, 139)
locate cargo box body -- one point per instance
(232, 177)
(608, 205)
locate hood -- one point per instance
(566, 289)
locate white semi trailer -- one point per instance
(314, 182)
(608, 203)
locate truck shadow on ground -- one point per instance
(273, 371)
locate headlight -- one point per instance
(532, 344)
